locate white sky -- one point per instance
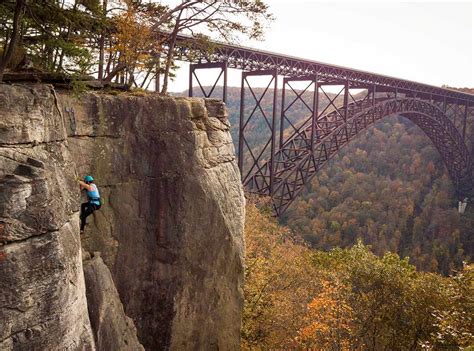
(428, 42)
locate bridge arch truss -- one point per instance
(293, 153)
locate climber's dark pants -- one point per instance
(87, 209)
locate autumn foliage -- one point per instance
(346, 299)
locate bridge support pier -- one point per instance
(194, 67)
(286, 121)
(255, 170)
(462, 204)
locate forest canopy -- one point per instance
(347, 299)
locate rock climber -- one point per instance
(93, 204)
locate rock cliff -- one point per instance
(42, 299)
(170, 229)
(113, 330)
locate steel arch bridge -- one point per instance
(288, 160)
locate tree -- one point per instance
(329, 322)
(346, 299)
(228, 19)
(54, 35)
(391, 305)
(279, 283)
(455, 324)
(124, 40)
(158, 27)
(11, 44)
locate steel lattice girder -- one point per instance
(301, 142)
(303, 166)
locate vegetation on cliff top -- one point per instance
(130, 41)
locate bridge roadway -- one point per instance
(292, 153)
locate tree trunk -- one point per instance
(158, 74)
(169, 57)
(146, 77)
(110, 61)
(101, 43)
(19, 11)
(117, 69)
(69, 28)
(5, 44)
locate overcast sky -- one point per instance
(429, 42)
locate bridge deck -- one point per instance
(246, 58)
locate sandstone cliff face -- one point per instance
(113, 330)
(42, 299)
(171, 226)
(170, 230)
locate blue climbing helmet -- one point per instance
(88, 179)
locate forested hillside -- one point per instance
(388, 187)
(346, 299)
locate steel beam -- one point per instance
(241, 126)
(346, 99)
(272, 147)
(466, 107)
(282, 117)
(224, 88)
(314, 124)
(299, 95)
(373, 95)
